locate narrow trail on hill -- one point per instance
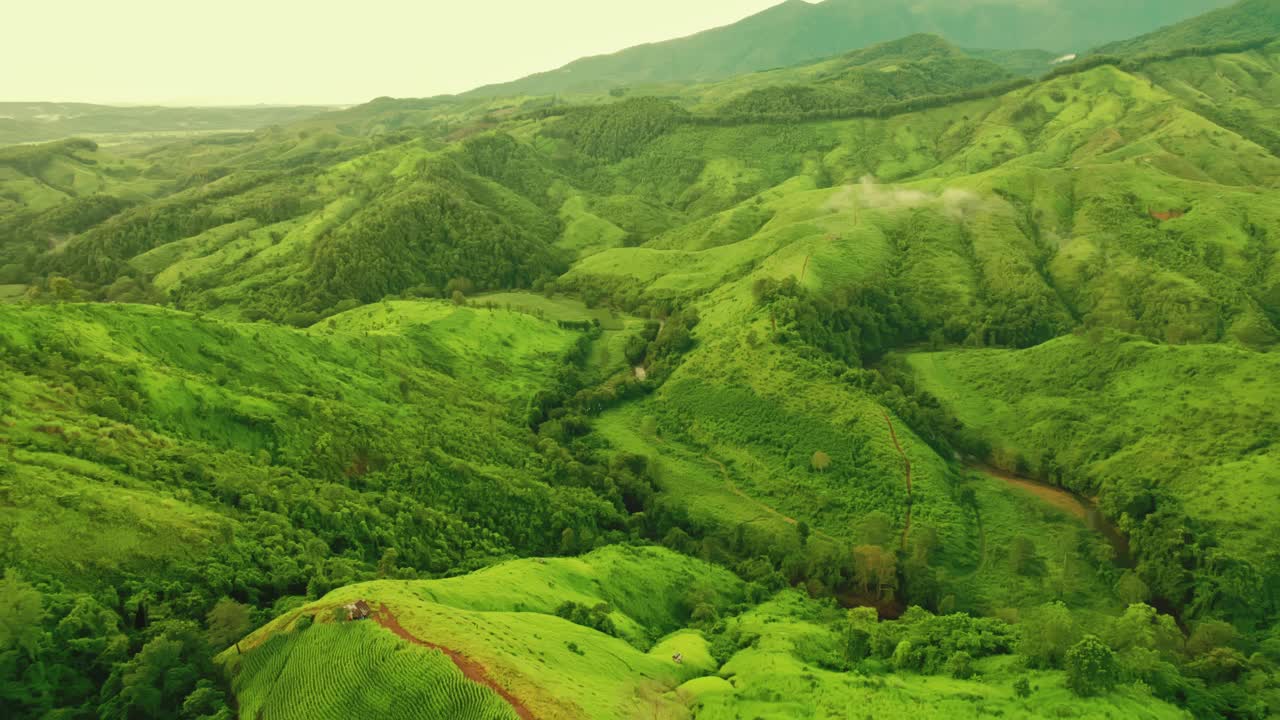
(472, 669)
(906, 463)
(724, 472)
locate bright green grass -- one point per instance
(689, 476)
(585, 233)
(559, 307)
(642, 585)
(357, 669)
(1073, 571)
(608, 352)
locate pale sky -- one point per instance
(316, 51)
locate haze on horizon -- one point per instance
(293, 52)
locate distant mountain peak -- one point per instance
(796, 31)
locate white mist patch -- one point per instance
(872, 195)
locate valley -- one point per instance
(906, 379)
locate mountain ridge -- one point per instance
(796, 31)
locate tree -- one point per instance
(568, 542)
(820, 461)
(61, 288)
(228, 621)
(875, 528)
(857, 636)
(1142, 627)
(1131, 589)
(636, 349)
(1091, 667)
(160, 677)
(21, 611)
(387, 565)
(1208, 635)
(875, 569)
(459, 298)
(924, 540)
(902, 657)
(1045, 634)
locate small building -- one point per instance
(358, 610)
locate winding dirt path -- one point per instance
(474, 671)
(906, 463)
(1082, 508)
(733, 488)
(1057, 497)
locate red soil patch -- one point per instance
(474, 671)
(1167, 215)
(1061, 499)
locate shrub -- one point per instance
(1022, 688)
(1091, 667)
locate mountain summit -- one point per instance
(797, 31)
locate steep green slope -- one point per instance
(1243, 20)
(796, 31)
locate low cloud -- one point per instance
(872, 195)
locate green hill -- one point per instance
(796, 32)
(786, 657)
(1244, 20)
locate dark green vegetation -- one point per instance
(813, 332)
(1245, 20)
(27, 122)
